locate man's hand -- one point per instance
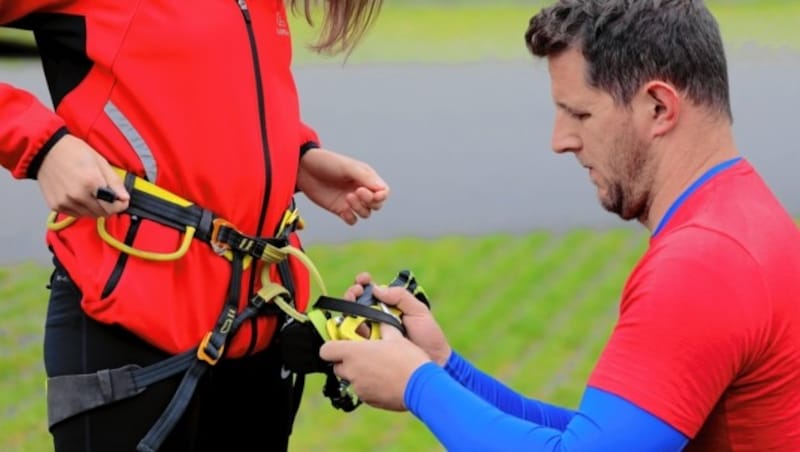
(420, 325)
(378, 370)
(69, 178)
(348, 188)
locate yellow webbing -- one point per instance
(267, 288)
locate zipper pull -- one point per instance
(245, 10)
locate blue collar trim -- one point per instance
(692, 188)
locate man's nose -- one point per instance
(564, 139)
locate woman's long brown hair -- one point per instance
(344, 22)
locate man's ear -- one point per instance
(663, 105)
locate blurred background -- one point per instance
(442, 98)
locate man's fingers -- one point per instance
(338, 369)
(353, 292)
(400, 298)
(389, 332)
(345, 355)
(363, 278)
(334, 351)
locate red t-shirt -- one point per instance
(708, 338)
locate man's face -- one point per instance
(602, 135)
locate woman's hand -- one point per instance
(348, 188)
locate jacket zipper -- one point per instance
(262, 117)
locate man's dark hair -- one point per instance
(629, 42)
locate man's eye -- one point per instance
(581, 116)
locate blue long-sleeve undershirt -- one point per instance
(467, 410)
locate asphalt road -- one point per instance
(465, 147)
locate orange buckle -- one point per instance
(201, 351)
(218, 246)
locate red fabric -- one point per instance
(308, 135)
(25, 126)
(708, 338)
(183, 75)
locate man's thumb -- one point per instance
(389, 332)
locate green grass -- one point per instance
(532, 309)
(421, 32)
(493, 31)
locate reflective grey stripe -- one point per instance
(134, 139)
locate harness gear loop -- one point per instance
(147, 255)
(58, 225)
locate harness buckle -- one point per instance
(218, 246)
(207, 349)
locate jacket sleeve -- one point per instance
(308, 139)
(28, 129)
(11, 10)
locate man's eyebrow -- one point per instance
(567, 108)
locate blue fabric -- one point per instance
(692, 188)
(504, 398)
(469, 411)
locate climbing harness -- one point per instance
(299, 338)
(332, 318)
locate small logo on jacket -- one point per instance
(283, 26)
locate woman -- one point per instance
(195, 103)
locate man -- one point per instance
(706, 351)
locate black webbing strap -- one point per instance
(160, 430)
(299, 383)
(205, 222)
(146, 205)
(71, 394)
(333, 389)
(210, 351)
(247, 244)
(359, 310)
(68, 395)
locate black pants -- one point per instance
(240, 405)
